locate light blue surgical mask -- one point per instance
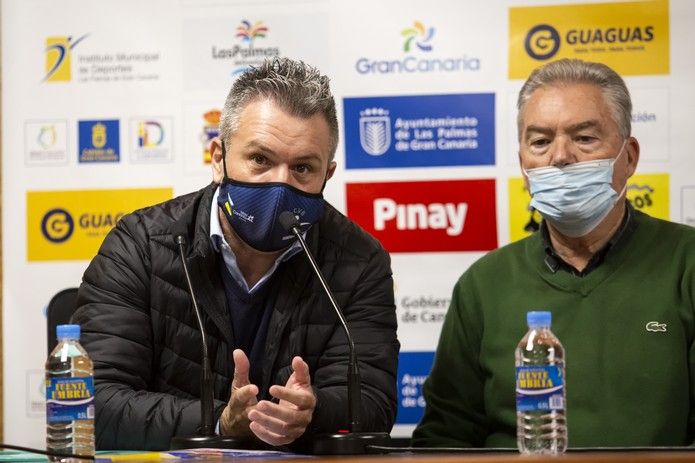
(575, 198)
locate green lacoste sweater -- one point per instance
(629, 381)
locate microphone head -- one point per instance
(180, 239)
(288, 221)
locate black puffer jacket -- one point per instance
(139, 327)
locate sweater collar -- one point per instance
(554, 262)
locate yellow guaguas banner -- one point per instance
(70, 225)
(630, 37)
(648, 193)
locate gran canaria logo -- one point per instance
(57, 225)
(419, 35)
(418, 40)
(59, 57)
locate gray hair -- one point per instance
(296, 87)
(572, 71)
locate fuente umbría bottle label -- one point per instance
(69, 399)
(539, 388)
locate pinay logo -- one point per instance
(59, 57)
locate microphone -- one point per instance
(355, 441)
(206, 436)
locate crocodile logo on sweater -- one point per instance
(656, 326)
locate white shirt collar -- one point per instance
(220, 245)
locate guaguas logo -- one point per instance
(375, 131)
(58, 57)
(418, 35)
(57, 225)
(542, 42)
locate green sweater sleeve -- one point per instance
(454, 414)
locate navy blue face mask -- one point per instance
(253, 210)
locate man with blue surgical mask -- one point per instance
(620, 286)
(278, 352)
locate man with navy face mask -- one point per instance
(620, 286)
(278, 353)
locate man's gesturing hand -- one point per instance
(234, 420)
(283, 422)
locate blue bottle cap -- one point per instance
(539, 318)
(71, 332)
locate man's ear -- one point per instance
(216, 160)
(632, 148)
(331, 170)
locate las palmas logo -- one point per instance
(418, 35)
(248, 32)
(58, 57)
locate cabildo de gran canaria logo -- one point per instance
(631, 37)
(420, 57)
(59, 57)
(246, 53)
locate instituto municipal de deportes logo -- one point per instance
(57, 225)
(59, 56)
(542, 42)
(375, 131)
(418, 35)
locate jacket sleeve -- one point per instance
(454, 391)
(371, 317)
(117, 333)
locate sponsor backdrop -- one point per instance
(109, 107)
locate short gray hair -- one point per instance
(571, 71)
(296, 87)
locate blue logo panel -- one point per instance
(99, 141)
(420, 131)
(413, 369)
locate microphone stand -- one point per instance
(355, 441)
(206, 436)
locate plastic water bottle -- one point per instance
(540, 389)
(69, 397)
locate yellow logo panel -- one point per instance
(630, 37)
(648, 193)
(70, 225)
(58, 61)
